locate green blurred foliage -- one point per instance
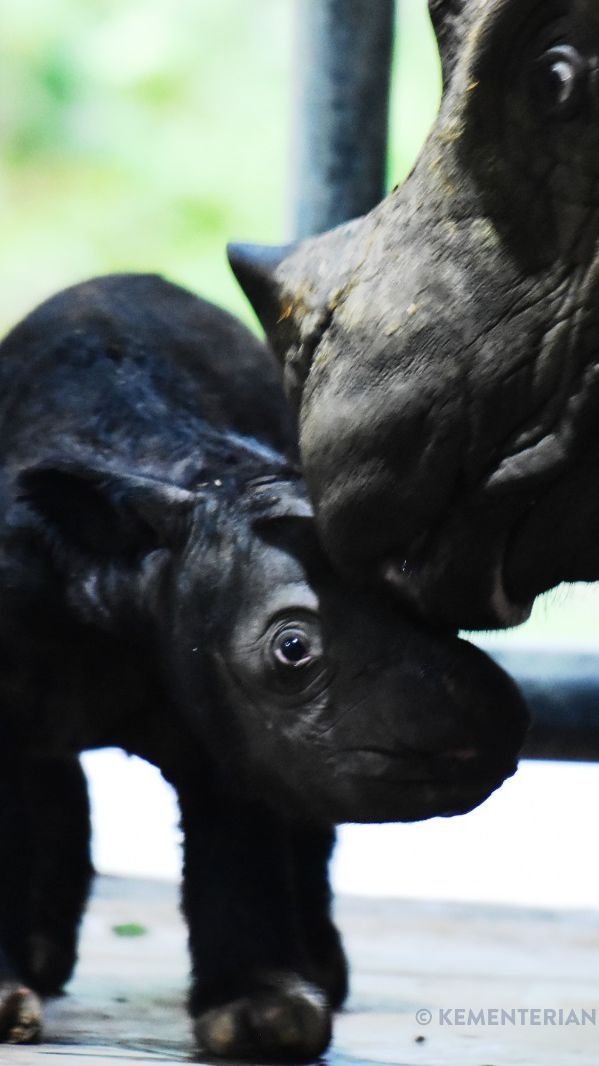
(139, 134)
(416, 87)
(144, 134)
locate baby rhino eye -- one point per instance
(292, 647)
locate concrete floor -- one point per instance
(125, 1003)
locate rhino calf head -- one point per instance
(316, 697)
(442, 350)
(334, 705)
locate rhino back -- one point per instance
(134, 368)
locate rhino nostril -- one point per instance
(463, 754)
(467, 764)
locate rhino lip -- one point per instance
(507, 611)
(423, 798)
(399, 576)
(500, 611)
(488, 777)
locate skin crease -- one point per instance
(163, 590)
(441, 351)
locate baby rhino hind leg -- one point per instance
(44, 835)
(20, 1008)
(61, 870)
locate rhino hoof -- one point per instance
(284, 1019)
(20, 1014)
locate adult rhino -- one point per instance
(442, 350)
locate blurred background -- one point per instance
(142, 135)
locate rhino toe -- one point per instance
(20, 1014)
(286, 1019)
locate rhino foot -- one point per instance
(20, 1014)
(51, 963)
(284, 1019)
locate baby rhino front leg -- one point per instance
(258, 991)
(20, 1008)
(280, 1017)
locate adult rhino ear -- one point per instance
(103, 512)
(450, 19)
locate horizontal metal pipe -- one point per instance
(562, 692)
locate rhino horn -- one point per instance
(255, 267)
(293, 290)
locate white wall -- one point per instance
(534, 842)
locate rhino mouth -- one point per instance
(505, 610)
(386, 799)
(418, 590)
(398, 783)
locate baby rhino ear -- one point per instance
(280, 500)
(105, 512)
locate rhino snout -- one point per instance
(445, 736)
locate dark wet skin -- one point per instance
(442, 350)
(164, 590)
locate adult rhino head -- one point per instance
(443, 350)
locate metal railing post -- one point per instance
(561, 688)
(343, 72)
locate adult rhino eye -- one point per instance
(559, 81)
(292, 647)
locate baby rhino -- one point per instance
(162, 589)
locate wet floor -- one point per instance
(432, 985)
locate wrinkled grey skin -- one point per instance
(442, 350)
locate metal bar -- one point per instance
(343, 70)
(562, 692)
